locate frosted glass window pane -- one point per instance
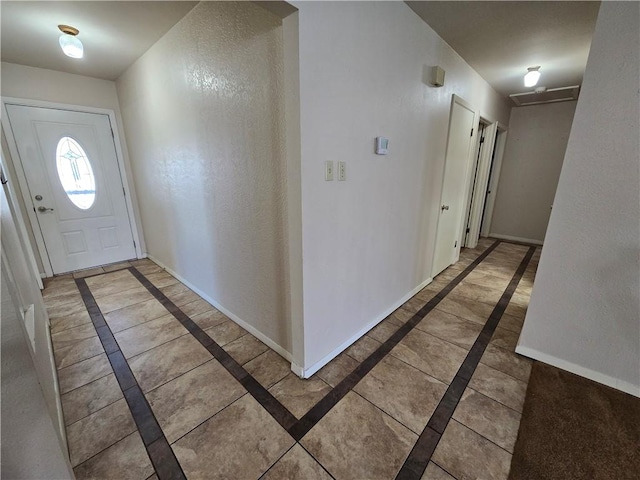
(75, 173)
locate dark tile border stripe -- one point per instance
(283, 416)
(417, 461)
(319, 410)
(164, 461)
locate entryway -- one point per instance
(72, 186)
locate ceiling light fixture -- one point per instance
(69, 42)
(532, 76)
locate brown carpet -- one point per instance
(573, 428)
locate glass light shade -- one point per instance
(71, 46)
(531, 78)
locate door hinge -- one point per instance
(471, 132)
(468, 230)
(455, 244)
(481, 140)
(134, 244)
(124, 192)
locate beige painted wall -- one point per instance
(536, 144)
(585, 304)
(203, 112)
(368, 241)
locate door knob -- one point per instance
(444, 207)
(44, 209)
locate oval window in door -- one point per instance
(75, 173)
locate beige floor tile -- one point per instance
(402, 315)
(162, 364)
(73, 335)
(87, 273)
(487, 280)
(124, 460)
(499, 386)
(467, 455)
(268, 368)
(337, 443)
(109, 283)
(83, 372)
(298, 395)
(61, 323)
(466, 308)
(245, 348)
(508, 362)
(148, 335)
(433, 356)
(448, 327)
(241, 442)
(141, 261)
(505, 339)
(226, 332)
(361, 349)
(148, 269)
(78, 351)
(478, 293)
(296, 464)
(115, 267)
(174, 289)
(90, 398)
(56, 290)
(194, 308)
(209, 319)
(182, 298)
(383, 330)
(162, 279)
(511, 323)
(66, 309)
(337, 369)
(516, 310)
(434, 472)
(414, 304)
(133, 315)
(185, 402)
(98, 431)
(520, 298)
(58, 280)
(489, 418)
(404, 392)
(116, 301)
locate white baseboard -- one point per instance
(248, 327)
(516, 239)
(307, 372)
(579, 370)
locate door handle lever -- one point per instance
(44, 209)
(444, 207)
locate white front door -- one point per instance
(74, 186)
(454, 186)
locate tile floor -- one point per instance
(215, 410)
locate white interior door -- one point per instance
(74, 186)
(454, 186)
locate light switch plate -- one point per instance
(328, 171)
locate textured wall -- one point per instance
(203, 115)
(533, 156)
(585, 303)
(368, 241)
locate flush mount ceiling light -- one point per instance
(69, 42)
(532, 76)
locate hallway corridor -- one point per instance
(157, 383)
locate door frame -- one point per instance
(494, 174)
(22, 179)
(470, 159)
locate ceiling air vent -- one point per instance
(552, 95)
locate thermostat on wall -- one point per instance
(382, 145)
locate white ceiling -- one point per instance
(114, 34)
(501, 39)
